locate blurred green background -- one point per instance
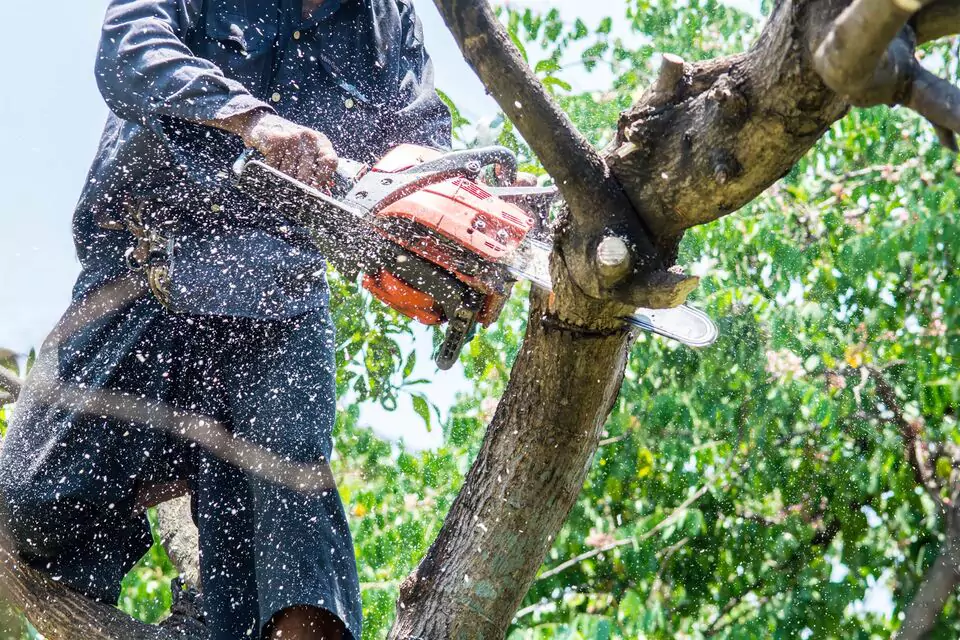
(759, 488)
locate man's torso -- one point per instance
(334, 72)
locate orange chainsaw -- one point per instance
(434, 243)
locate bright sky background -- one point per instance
(51, 116)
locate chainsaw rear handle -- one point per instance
(344, 176)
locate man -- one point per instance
(200, 314)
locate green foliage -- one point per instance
(755, 489)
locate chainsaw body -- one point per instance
(455, 224)
(432, 242)
(428, 239)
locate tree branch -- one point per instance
(180, 537)
(55, 610)
(731, 128)
(646, 535)
(10, 384)
(867, 56)
(937, 20)
(937, 587)
(58, 612)
(598, 207)
(914, 445)
(855, 57)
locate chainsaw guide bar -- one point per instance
(433, 243)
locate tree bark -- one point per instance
(700, 144)
(61, 614)
(938, 585)
(704, 141)
(522, 485)
(180, 537)
(730, 127)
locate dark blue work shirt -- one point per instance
(356, 70)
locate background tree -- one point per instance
(799, 477)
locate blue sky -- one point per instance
(50, 120)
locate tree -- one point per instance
(702, 141)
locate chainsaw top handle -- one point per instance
(472, 162)
(469, 162)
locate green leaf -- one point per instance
(522, 49)
(411, 363)
(458, 120)
(547, 66)
(422, 407)
(553, 81)
(580, 30)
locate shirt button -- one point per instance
(275, 97)
(296, 35)
(348, 103)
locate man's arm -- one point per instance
(145, 71)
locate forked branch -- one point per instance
(598, 206)
(867, 56)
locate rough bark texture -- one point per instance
(180, 537)
(939, 584)
(698, 146)
(526, 478)
(701, 143)
(62, 614)
(730, 128)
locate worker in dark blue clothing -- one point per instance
(198, 351)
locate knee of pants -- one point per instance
(296, 441)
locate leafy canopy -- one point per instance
(757, 488)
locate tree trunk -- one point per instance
(938, 585)
(699, 145)
(522, 485)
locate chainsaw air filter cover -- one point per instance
(454, 223)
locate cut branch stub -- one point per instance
(635, 281)
(670, 79)
(613, 259)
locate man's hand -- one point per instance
(298, 151)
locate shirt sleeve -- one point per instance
(145, 70)
(421, 116)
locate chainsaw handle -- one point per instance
(241, 162)
(344, 176)
(472, 161)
